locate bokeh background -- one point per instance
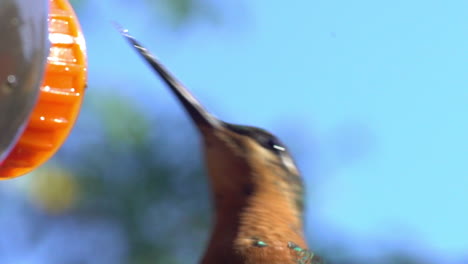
(370, 96)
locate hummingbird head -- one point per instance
(241, 160)
(251, 160)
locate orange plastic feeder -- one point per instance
(60, 98)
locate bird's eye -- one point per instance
(275, 145)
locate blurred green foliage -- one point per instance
(126, 174)
(177, 13)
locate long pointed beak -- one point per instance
(199, 115)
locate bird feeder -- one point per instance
(58, 101)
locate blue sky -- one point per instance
(377, 91)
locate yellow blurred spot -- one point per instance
(53, 189)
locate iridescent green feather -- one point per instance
(304, 256)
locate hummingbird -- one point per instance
(256, 187)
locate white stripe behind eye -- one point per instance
(279, 147)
